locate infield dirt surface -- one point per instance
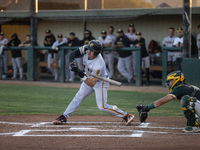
(94, 132)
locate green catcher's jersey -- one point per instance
(184, 89)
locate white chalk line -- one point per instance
(45, 124)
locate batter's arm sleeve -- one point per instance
(74, 54)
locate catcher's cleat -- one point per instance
(142, 112)
(128, 119)
(60, 120)
(190, 129)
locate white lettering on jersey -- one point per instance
(168, 41)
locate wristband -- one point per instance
(84, 78)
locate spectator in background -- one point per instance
(37, 67)
(73, 41)
(16, 57)
(48, 41)
(88, 37)
(3, 56)
(140, 42)
(124, 62)
(132, 37)
(55, 54)
(113, 37)
(106, 40)
(178, 42)
(168, 42)
(198, 42)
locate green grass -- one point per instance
(15, 100)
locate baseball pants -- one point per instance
(134, 62)
(1, 66)
(69, 74)
(101, 100)
(49, 58)
(5, 62)
(108, 58)
(16, 64)
(199, 54)
(124, 67)
(56, 60)
(146, 62)
(171, 57)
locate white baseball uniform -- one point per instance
(178, 40)
(56, 56)
(132, 37)
(108, 56)
(95, 67)
(168, 42)
(4, 58)
(198, 45)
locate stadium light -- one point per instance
(85, 4)
(36, 6)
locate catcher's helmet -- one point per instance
(178, 78)
(95, 46)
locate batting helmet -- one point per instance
(178, 78)
(95, 46)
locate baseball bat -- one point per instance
(105, 79)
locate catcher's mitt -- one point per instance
(142, 112)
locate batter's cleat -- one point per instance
(190, 129)
(128, 119)
(60, 120)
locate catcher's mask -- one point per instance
(178, 78)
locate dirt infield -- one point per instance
(94, 132)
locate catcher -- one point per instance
(188, 95)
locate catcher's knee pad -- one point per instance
(188, 105)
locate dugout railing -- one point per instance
(31, 57)
(164, 60)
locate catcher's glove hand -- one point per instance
(142, 112)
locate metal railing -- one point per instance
(30, 60)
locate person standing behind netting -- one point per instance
(48, 41)
(198, 42)
(140, 42)
(113, 37)
(87, 37)
(55, 54)
(124, 62)
(16, 56)
(107, 55)
(132, 37)
(178, 42)
(3, 55)
(168, 42)
(73, 41)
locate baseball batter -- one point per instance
(132, 37)
(198, 42)
(3, 55)
(188, 95)
(168, 42)
(106, 40)
(93, 63)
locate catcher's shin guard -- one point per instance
(190, 107)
